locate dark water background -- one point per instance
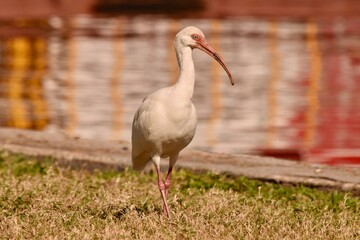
(296, 93)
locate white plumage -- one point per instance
(165, 122)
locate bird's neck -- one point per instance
(186, 81)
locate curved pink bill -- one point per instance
(204, 46)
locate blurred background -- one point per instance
(83, 67)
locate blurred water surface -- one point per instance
(296, 92)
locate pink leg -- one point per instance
(162, 188)
(167, 184)
(172, 160)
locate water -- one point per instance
(296, 92)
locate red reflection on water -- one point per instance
(333, 156)
(328, 129)
(338, 120)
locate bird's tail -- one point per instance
(139, 162)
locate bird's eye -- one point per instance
(195, 37)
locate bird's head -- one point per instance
(194, 38)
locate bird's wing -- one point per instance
(144, 121)
(140, 147)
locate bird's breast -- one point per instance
(173, 125)
(164, 124)
(179, 121)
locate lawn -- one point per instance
(39, 200)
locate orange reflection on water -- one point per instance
(70, 91)
(36, 90)
(115, 82)
(174, 27)
(273, 84)
(215, 88)
(314, 83)
(19, 49)
(26, 70)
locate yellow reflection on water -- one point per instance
(19, 49)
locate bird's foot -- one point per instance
(163, 191)
(167, 184)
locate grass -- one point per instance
(41, 201)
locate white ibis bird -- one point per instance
(165, 122)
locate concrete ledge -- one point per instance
(80, 153)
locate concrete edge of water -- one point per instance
(92, 154)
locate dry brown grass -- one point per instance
(41, 201)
